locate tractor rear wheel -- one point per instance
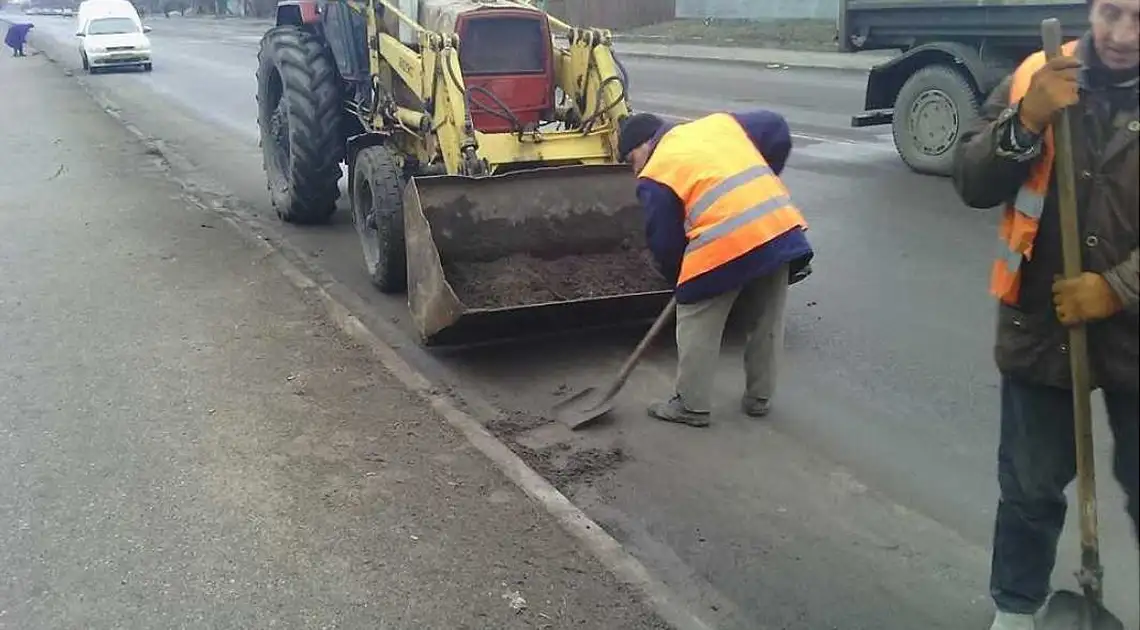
(378, 214)
(299, 108)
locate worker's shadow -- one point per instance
(566, 352)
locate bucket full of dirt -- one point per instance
(527, 253)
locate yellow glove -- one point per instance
(1088, 297)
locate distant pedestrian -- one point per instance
(16, 37)
(721, 225)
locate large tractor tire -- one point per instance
(378, 214)
(299, 108)
(933, 108)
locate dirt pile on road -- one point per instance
(520, 280)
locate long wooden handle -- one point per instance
(1065, 174)
(635, 356)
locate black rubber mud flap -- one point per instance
(933, 108)
(299, 110)
(378, 214)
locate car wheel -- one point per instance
(147, 67)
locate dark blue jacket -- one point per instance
(17, 35)
(665, 216)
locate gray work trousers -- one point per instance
(700, 328)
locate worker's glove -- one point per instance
(799, 275)
(1086, 298)
(1053, 88)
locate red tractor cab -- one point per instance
(505, 55)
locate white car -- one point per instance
(114, 42)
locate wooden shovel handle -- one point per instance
(1065, 174)
(635, 356)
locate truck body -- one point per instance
(952, 54)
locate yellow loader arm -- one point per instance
(585, 71)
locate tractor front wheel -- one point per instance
(299, 109)
(378, 214)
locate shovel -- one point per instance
(591, 404)
(1067, 610)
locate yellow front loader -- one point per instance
(480, 138)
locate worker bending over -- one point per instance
(719, 223)
(1007, 159)
(16, 37)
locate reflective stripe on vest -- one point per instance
(1020, 219)
(734, 202)
(720, 190)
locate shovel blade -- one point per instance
(583, 408)
(1067, 610)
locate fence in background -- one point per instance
(614, 14)
(758, 9)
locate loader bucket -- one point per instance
(527, 253)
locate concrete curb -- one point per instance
(290, 262)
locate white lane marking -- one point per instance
(827, 139)
(846, 152)
(830, 140)
(198, 41)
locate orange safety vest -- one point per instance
(733, 200)
(1019, 221)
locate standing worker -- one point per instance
(1007, 159)
(721, 224)
(16, 36)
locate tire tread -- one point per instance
(312, 90)
(379, 166)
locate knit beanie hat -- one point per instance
(635, 131)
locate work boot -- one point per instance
(755, 407)
(674, 410)
(1013, 621)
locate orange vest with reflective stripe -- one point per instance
(1019, 220)
(733, 200)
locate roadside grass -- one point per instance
(816, 35)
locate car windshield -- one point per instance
(112, 26)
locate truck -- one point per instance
(952, 54)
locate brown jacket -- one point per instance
(1031, 342)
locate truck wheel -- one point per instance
(298, 112)
(378, 214)
(933, 107)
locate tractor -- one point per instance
(479, 140)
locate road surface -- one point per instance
(186, 443)
(864, 501)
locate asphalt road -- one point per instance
(866, 500)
